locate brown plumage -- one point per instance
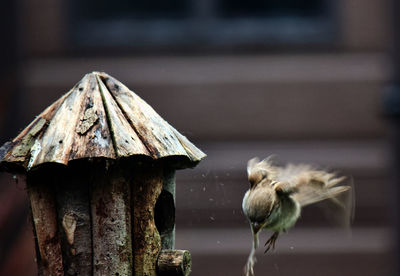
(277, 194)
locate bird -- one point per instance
(277, 194)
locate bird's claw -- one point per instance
(271, 242)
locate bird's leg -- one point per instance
(271, 242)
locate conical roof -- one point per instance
(98, 117)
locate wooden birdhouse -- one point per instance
(100, 170)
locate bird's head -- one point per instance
(258, 172)
(260, 199)
(258, 204)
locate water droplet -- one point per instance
(291, 248)
(212, 218)
(211, 199)
(204, 188)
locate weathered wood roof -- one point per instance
(98, 117)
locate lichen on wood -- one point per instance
(89, 119)
(22, 149)
(111, 218)
(92, 137)
(98, 117)
(155, 133)
(44, 216)
(174, 263)
(126, 142)
(97, 161)
(146, 186)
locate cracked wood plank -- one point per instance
(126, 141)
(99, 117)
(55, 145)
(92, 136)
(43, 206)
(153, 131)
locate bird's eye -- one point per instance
(252, 182)
(259, 221)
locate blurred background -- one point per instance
(304, 80)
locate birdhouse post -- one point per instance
(100, 169)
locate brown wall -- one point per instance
(363, 25)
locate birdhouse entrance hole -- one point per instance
(164, 212)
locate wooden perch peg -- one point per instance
(174, 263)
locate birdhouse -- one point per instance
(100, 171)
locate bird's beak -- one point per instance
(255, 226)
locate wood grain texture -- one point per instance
(111, 222)
(92, 136)
(43, 206)
(126, 141)
(98, 117)
(19, 149)
(153, 131)
(160, 138)
(174, 263)
(97, 161)
(146, 186)
(57, 141)
(74, 218)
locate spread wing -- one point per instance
(306, 184)
(310, 185)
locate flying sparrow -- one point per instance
(277, 194)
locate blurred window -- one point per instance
(101, 23)
(271, 8)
